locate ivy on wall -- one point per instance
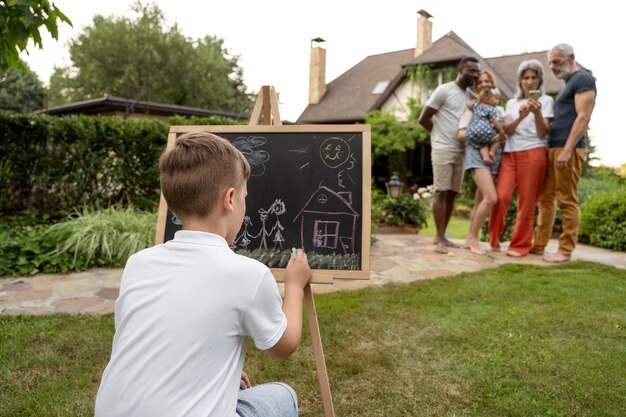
(420, 73)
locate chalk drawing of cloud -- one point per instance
(256, 157)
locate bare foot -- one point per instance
(557, 258)
(536, 252)
(450, 244)
(475, 248)
(496, 248)
(441, 248)
(446, 242)
(513, 254)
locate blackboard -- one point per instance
(309, 187)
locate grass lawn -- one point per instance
(457, 228)
(517, 340)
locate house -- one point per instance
(328, 222)
(387, 81)
(135, 109)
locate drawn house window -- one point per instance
(326, 234)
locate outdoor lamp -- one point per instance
(394, 186)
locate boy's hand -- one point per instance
(298, 271)
(245, 381)
(297, 274)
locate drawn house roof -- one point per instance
(330, 198)
(351, 95)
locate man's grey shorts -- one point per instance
(273, 399)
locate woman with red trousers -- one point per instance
(524, 160)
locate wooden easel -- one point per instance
(266, 107)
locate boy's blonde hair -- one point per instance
(488, 92)
(197, 169)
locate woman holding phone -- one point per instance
(524, 161)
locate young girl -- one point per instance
(486, 124)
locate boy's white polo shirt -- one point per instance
(181, 319)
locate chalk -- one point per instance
(293, 251)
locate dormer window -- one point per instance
(380, 87)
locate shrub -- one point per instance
(400, 211)
(59, 163)
(84, 240)
(603, 221)
(104, 237)
(597, 183)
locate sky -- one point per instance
(272, 39)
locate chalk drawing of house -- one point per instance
(328, 222)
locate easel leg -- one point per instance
(322, 375)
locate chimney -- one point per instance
(317, 72)
(424, 33)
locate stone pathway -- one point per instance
(395, 258)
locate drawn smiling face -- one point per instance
(334, 152)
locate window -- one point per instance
(325, 234)
(380, 87)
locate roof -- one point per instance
(349, 97)
(111, 104)
(506, 66)
(450, 48)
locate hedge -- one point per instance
(602, 220)
(60, 163)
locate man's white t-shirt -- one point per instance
(525, 135)
(450, 102)
(181, 320)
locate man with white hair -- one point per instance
(567, 151)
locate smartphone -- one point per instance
(535, 94)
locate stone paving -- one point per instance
(395, 258)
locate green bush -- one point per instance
(603, 220)
(400, 211)
(24, 251)
(60, 163)
(86, 239)
(601, 180)
(104, 237)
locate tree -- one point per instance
(20, 21)
(392, 139)
(139, 58)
(21, 90)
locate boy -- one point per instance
(186, 306)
